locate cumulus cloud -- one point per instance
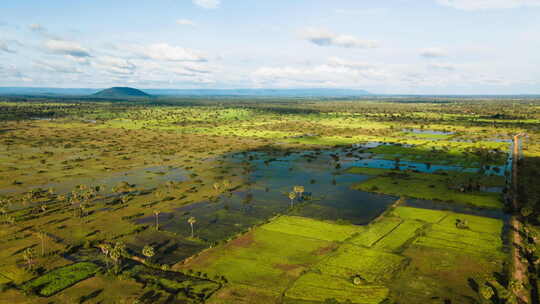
(323, 37)
(56, 67)
(166, 52)
(115, 65)
(185, 22)
(487, 4)
(339, 62)
(433, 53)
(207, 4)
(65, 47)
(336, 72)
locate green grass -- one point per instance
(426, 215)
(428, 186)
(483, 237)
(376, 231)
(371, 265)
(317, 287)
(311, 228)
(261, 258)
(396, 239)
(366, 171)
(61, 278)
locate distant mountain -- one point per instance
(120, 92)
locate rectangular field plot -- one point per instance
(399, 236)
(318, 288)
(261, 258)
(375, 231)
(475, 223)
(311, 228)
(482, 236)
(371, 265)
(461, 239)
(426, 215)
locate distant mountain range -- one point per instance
(122, 92)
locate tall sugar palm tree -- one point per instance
(192, 220)
(156, 214)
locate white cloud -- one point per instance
(207, 4)
(56, 67)
(185, 22)
(166, 52)
(115, 65)
(433, 53)
(323, 37)
(336, 72)
(336, 61)
(488, 4)
(65, 47)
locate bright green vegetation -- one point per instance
(318, 288)
(376, 231)
(294, 256)
(399, 236)
(310, 228)
(372, 265)
(268, 258)
(446, 152)
(443, 187)
(59, 279)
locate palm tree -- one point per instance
(292, 196)
(116, 254)
(106, 249)
(156, 214)
(148, 251)
(192, 220)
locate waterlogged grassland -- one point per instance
(451, 186)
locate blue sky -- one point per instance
(395, 46)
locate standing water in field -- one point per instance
(271, 176)
(269, 180)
